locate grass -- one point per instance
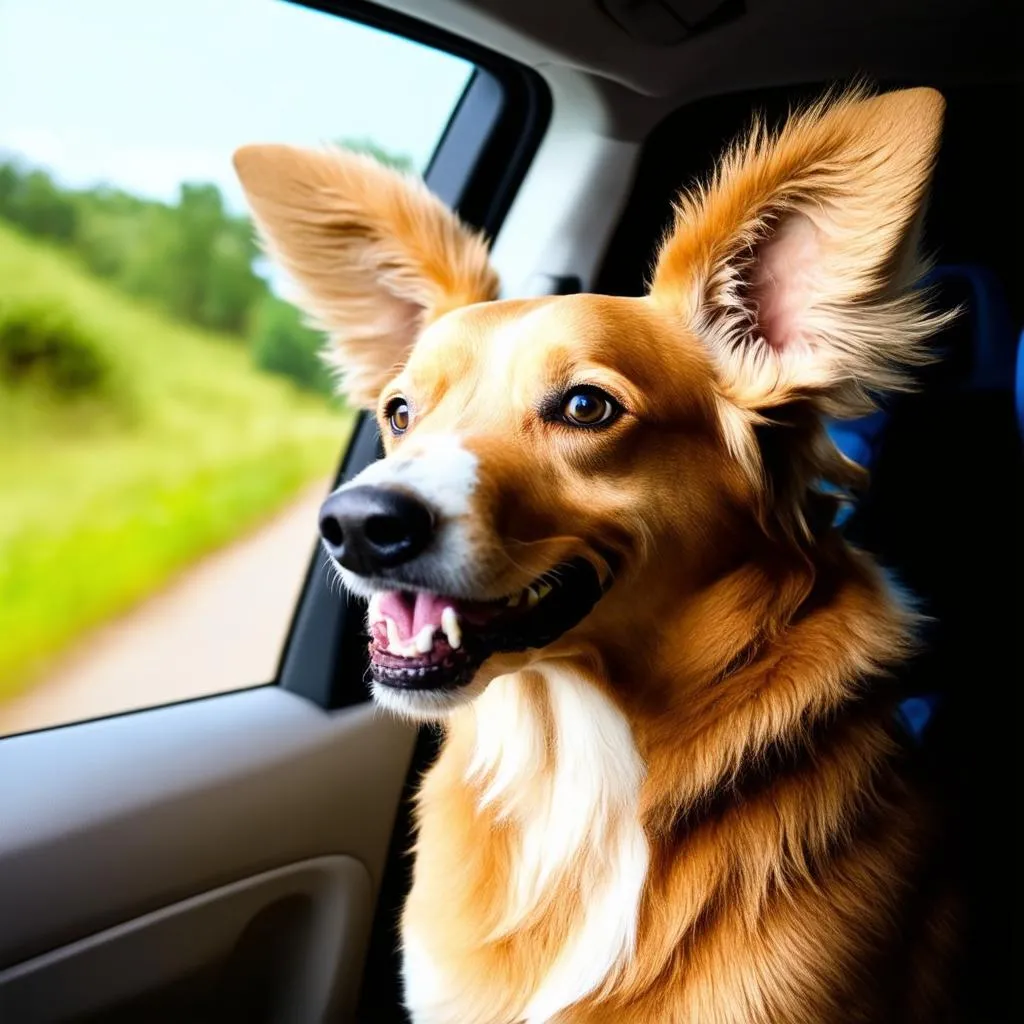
(104, 498)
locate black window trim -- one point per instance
(483, 191)
(476, 168)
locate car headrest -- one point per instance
(979, 350)
(986, 316)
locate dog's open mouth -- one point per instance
(425, 641)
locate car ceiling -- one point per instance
(756, 43)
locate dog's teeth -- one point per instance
(543, 590)
(394, 640)
(373, 608)
(513, 601)
(419, 644)
(424, 640)
(532, 597)
(450, 628)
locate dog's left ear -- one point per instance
(795, 264)
(373, 253)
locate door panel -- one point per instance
(125, 815)
(285, 943)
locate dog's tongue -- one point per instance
(410, 612)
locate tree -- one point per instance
(36, 204)
(192, 258)
(111, 230)
(282, 343)
(195, 261)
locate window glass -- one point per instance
(166, 428)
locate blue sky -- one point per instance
(145, 94)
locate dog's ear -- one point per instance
(795, 263)
(374, 255)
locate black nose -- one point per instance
(372, 528)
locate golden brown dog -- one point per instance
(600, 552)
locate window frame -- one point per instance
(213, 790)
(476, 169)
(478, 164)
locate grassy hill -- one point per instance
(104, 495)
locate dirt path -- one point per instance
(220, 626)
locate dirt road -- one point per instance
(220, 626)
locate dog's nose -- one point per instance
(372, 528)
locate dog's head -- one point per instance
(562, 472)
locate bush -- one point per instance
(40, 344)
(283, 344)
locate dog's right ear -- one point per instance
(373, 253)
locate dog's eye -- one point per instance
(398, 415)
(588, 406)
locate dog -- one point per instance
(601, 551)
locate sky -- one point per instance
(145, 94)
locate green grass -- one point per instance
(104, 498)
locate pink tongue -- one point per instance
(411, 612)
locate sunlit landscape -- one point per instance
(167, 424)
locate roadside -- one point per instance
(220, 626)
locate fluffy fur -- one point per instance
(691, 807)
(372, 254)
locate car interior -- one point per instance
(244, 857)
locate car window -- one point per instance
(167, 430)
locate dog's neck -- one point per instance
(555, 759)
(577, 789)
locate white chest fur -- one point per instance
(570, 780)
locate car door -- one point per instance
(218, 857)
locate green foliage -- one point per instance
(98, 510)
(112, 228)
(31, 200)
(282, 343)
(192, 260)
(43, 345)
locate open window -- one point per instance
(172, 441)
